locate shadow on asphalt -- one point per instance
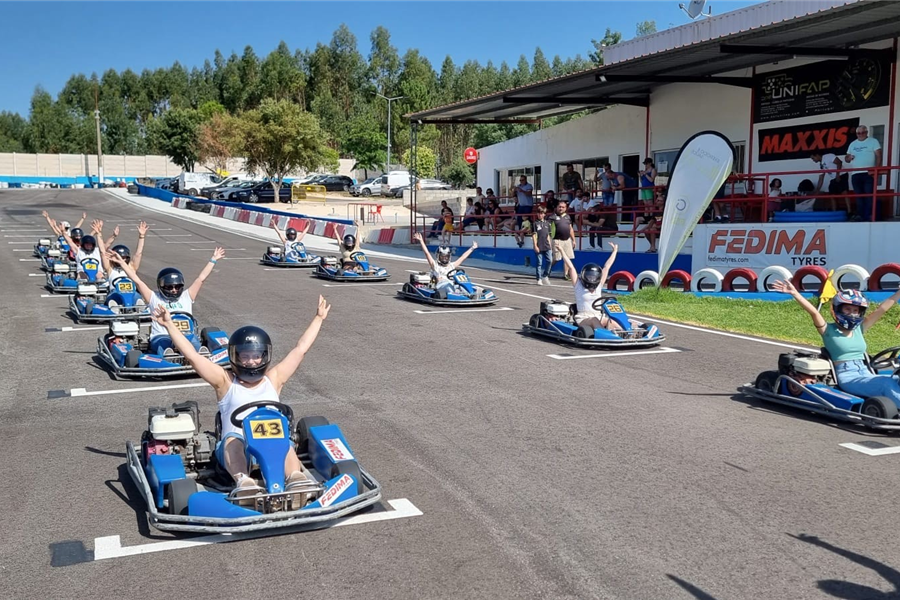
(690, 588)
(849, 590)
(104, 452)
(796, 413)
(130, 495)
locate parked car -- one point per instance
(192, 183)
(393, 179)
(335, 183)
(230, 181)
(369, 187)
(434, 184)
(228, 192)
(262, 192)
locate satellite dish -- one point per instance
(694, 9)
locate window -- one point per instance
(586, 167)
(509, 178)
(665, 159)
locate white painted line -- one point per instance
(19, 236)
(23, 250)
(289, 269)
(493, 287)
(665, 350)
(871, 451)
(460, 310)
(29, 260)
(37, 274)
(176, 386)
(93, 328)
(154, 229)
(208, 249)
(201, 242)
(339, 285)
(60, 296)
(236, 257)
(111, 546)
(176, 234)
(32, 243)
(10, 229)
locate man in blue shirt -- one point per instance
(864, 153)
(524, 199)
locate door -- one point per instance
(630, 164)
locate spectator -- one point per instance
(543, 246)
(447, 230)
(479, 197)
(773, 203)
(489, 195)
(578, 204)
(651, 224)
(524, 198)
(524, 231)
(550, 201)
(602, 219)
(438, 225)
(571, 182)
(837, 182)
(863, 153)
(476, 216)
(469, 218)
(563, 233)
(805, 189)
(622, 182)
(648, 180)
(606, 190)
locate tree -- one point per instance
(425, 162)
(540, 68)
(459, 173)
(384, 62)
(279, 138)
(12, 132)
(176, 134)
(645, 28)
(219, 141)
(280, 75)
(609, 38)
(50, 127)
(366, 142)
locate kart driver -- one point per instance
(290, 236)
(442, 265)
(845, 342)
(347, 245)
(62, 226)
(588, 288)
(252, 379)
(122, 250)
(169, 293)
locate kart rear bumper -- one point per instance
(423, 299)
(323, 274)
(594, 343)
(311, 262)
(106, 356)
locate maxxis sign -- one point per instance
(801, 141)
(761, 246)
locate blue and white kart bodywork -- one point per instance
(329, 268)
(127, 352)
(556, 321)
(56, 256)
(63, 279)
(807, 381)
(121, 302)
(176, 471)
(44, 245)
(421, 288)
(296, 257)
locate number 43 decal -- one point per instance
(270, 428)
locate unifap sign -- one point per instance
(761, 246)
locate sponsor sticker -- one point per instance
(334, 492)
(337, 450)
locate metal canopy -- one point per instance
(832, 32)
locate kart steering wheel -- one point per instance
(453, 272)
(886, 359)
(284, 409)
(602, 300)
(356, 256)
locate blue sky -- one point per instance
(43, 43)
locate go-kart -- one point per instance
(121, 302)
(421, 288)
(43, 245)
(185, 489)
(63, 279)
(296, 257)
(56, 256)
(329, 268)
(128, 353)
(807, 380)
(557, 321)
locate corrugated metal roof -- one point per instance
(777, 23)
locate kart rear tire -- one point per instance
(535, 321)
(765, 381)
(132, 359)
(348, 467)
(440, 294)
(178, 493)
(879, 407)
(204, 336)
(88, 307)
(303, 427)
(584, 332)
(408, 289)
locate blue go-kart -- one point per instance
(56, 256)
(296, 257)
(185, 490)
(126, 351)
(121, 302)
(807, 381)
(329, 268)
(557, 322)
(43, 245)
(421, 288)
(63, 279)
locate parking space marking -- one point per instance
(871, 448)
(64, 329)
(176, 234)
(37, 274)
(60, 296)
(23, 250)
(208, 249)
(350, 284)
(18, 236)
(200, 242)
(111, 546)
(236, 257)
(664, 350)
(461, 310)
(76, 392)
(32, 243)
(288, 269)
(29, 260)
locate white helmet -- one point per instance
(443, 255)
(64, 224)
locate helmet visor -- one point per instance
(251, 355)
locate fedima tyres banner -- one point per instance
(701, 168)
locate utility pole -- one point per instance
(99, 149)
(387, 167)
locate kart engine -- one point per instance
(274, 250)
(420, 279)
(329, 261)
(555, 309)
(805, 368)
(176, 430)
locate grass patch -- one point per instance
(777, 320)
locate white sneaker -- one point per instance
(546, 281)
(539, 282)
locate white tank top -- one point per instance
(238, 395)
(81, 255)
(183, 304)
(584, 298)
(116, 273)
(439, 271)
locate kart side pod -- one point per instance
(330, 453)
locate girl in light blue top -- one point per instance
(845, 342)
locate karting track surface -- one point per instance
(619, 475)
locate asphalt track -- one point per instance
(617, 476)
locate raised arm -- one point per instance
(207, 270)
(302, 234)
(209, 371)
(97, 226)
(143, 228)
(52, 223)
(274, 225)
(465, 255)
(81, 220)
(876, 314)
(143, 288)
(280, 373)
(786, 287)
(571, 271)
(417, 237)
(604, 274)
(112, 238)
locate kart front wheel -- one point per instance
(879, 407)
(765, 382)
(348, 467)
(178, 493)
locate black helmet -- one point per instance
(170, 278)
(290, 234)
(76, 234)
(88, 243)
(590, 276)
(349, 242)
(249, 339)
(123, 251)
(443, 255)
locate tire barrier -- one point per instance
(646, 279)
(739, 273)
(612, 283)
(770, 275)
(677, 275)
(809, 270)
(879, 273)
(707, 275)
(856, 271)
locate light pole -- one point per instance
(387, 167)
(99, 148)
